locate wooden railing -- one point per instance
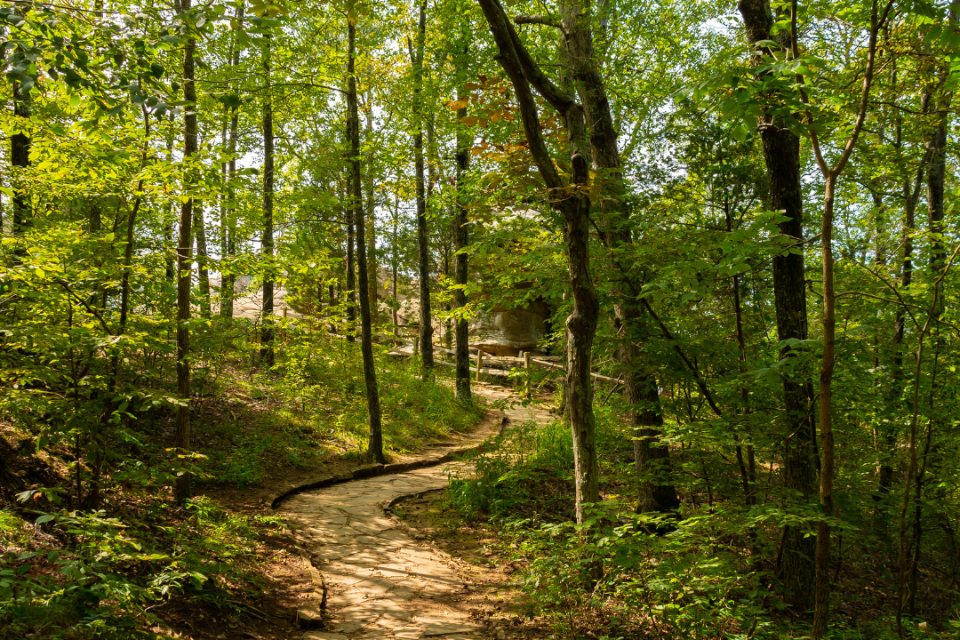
(525, 360)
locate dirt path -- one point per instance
(380, 581)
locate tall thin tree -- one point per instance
(461, 239)
(375, 448)
(267, 248)
(228, 279)
(185, 256)
(571, 201)
(781, 151)
(423, 246)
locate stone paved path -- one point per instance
(381, 582)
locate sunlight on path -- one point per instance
(381, 582)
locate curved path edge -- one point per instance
(373, 576)
(371, 470)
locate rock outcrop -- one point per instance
(507, 331)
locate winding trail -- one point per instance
(379, 581)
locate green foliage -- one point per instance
(104, 581)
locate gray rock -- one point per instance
(507, 332)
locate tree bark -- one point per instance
(375, 448)
(822, 599)
(936, 149)
(394, 262)
(228, 279)
(423, 248)
(170, 250)
(370, 231)
(781, 151)
(351, 271)
(652, 457)
(185, 263)
(267, 320)
(832, 174)
(204, 280)
(20, 158)
(461, 240)
(571, 201)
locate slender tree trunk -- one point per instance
(351, 273)
(267, 328)
(93, 496)
(447, 323)
(370, 231)
(652, 457)
(583, 319)
(20, 158)
(168, 222)
(423, 248)
(223, 227)
(936, 147)
(461, 239)
(375, 448)
(394, 263)
(832, 174)
(184, 264)
(911, 194)
(228, 279)
(826, 417)
(201, 235)
(781, 151)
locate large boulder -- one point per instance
(408, 315)
(505, 331)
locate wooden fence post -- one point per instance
(527, 365)
(479, 364)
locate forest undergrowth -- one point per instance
(707, 571)
(140, 566)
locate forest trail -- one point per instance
(382, 582)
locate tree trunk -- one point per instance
(582, 322)
(228, 279)
(748, 469)
(20, 158)
(375, 448)
(204, 281)
(184, 264)
(267, 327)
(93, 496)
(911, 194)
(423, 248)
(351, 272)
(370, 231)
(652, 457)
(832, 174)
(826, 417)
(394, 261)
(170, 249)
(936, 149)
(461, 239)
(650, 454)
(781, 151)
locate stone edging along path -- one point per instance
(371, 470)
(372, 577)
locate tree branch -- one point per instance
(548, 21)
